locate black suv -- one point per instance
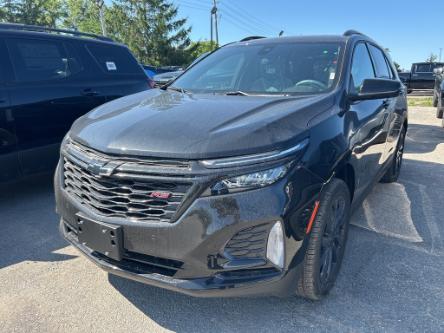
(49, 78)
(240, 176)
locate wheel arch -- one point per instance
(346, 172)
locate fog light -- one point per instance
(275, 245)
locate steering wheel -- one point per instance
(312, 83)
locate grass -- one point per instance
(420, 101)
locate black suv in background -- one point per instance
(49, 78)
(240, 176)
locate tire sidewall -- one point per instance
(336, 187)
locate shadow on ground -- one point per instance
(28, 222)
(423, 139)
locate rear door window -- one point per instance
(114, 59)
(382, 70)
(41, 60)
(362, 67)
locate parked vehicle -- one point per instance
(422, 76)
(149, 70)
(163, 78)
(404, 77)
(238, 178)
(438, 92)
(49, 78)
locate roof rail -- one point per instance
(352, 32)
(26, 27)
(246, 39)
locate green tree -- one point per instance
(151, 29)
(82, 15)
(38, 12)
(201, 47)
(9, 10)
(432, 58)
(397, 66)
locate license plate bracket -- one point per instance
(101, 237)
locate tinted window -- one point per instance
(114, 59)
(423, 68)
(391, 73)
(381, 68)
(362, 67)
(38, 60)
(278, 68)
(436, 65)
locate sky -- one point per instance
(412, 30)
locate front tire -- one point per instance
(394, 169)
(326, 242)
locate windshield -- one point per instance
(280, 68)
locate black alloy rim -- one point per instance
(333, 240)
(400, 151)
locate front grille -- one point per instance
(249, 243)
(123, 197)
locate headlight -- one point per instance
(238, 161)
(249, 181)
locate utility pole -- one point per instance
(101, 5)
(211, 28)
(215, 24)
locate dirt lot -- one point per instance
(392, 278)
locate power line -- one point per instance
(241, 12)
(239, 26)
(193, 5)
(254, 29)
(244, 20)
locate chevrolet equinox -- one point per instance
(239, 177)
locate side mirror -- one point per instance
(438, 71)
(377, 89)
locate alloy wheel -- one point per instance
(333, 240)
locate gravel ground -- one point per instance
(392, 278)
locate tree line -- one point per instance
(151, 28)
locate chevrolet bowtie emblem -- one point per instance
(102, 169)
(95, 168)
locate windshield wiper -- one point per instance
(181, 90)
(236, 93)
(242, 93)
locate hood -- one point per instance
(169, 124)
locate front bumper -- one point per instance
(188, 255)
(265, 283)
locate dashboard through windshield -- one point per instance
(273, 68)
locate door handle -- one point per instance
(90, 93)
